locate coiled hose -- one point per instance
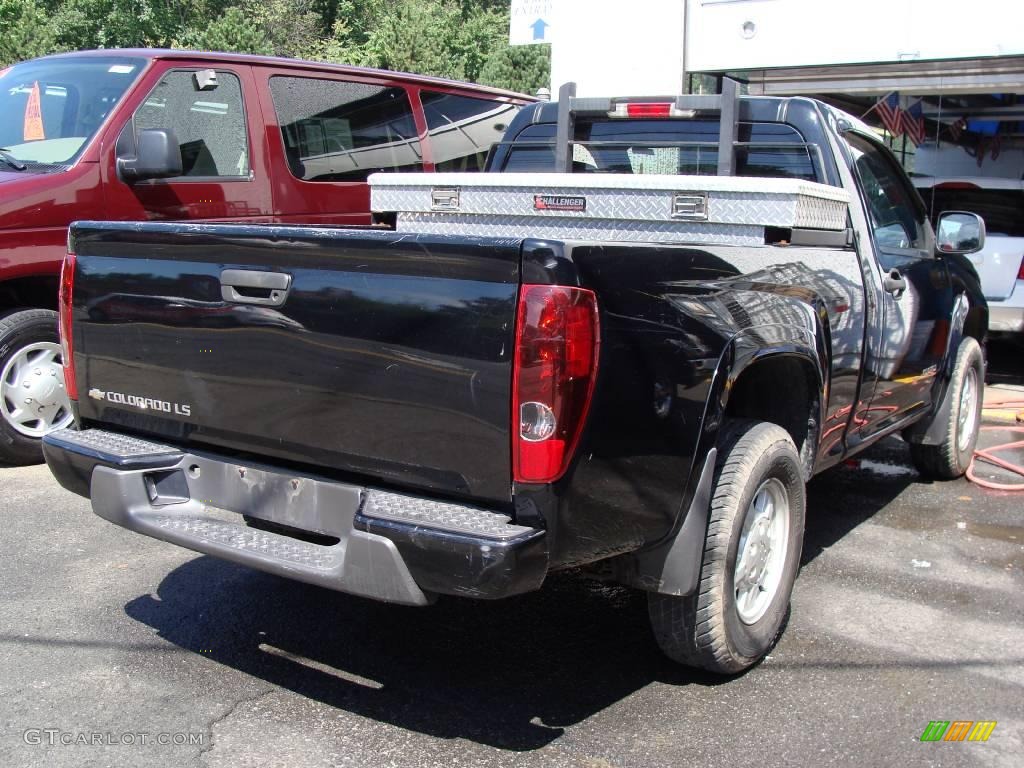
(988, 455)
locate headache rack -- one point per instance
(631, 192)
(726, 104)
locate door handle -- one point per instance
(246, 286)
(894, 283)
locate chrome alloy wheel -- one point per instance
(761, 554)
(969, 396)
(32, 396)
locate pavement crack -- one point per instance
(206, 748)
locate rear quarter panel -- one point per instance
(678, 325)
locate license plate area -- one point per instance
(292, 500)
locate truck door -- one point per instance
(215, 118)
(913, 287)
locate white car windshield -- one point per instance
(50, 108)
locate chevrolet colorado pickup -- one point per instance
(504, 381)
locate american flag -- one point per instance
(957, 128)
(889, 110)
(913, 124)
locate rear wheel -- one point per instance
(32, 396)
(950, 457)
(751, 556)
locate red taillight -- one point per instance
(956, 185)
(1020, 272)
(649, 109)
(67, 284)
(555, 367)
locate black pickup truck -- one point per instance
(400, 414)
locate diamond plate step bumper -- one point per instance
(453, 518)
(379, 544)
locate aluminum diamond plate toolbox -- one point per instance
(637, 208)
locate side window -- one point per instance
(895, 218)
(209, 122)
(338, 131)
(462, 129)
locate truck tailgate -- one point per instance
(367, 352)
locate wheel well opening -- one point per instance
(782, 390)
(28, 293)
(976, 323)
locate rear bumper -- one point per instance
(1007, 316)
(387, 546)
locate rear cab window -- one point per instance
(673, 147)
(336, 130)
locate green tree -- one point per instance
(447, 38)
(523, 68)
(232, 31)
(130, 23)
(292, 27)
(26, 31)
(110, 24)
(480, 33)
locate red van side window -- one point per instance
(339, 131)
(208, 122)
(463, 128)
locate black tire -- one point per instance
(950, 457)
(704, 629)
(17, 331)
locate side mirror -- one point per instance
(960, 232)
(157, 156)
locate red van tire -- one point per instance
(30, 376)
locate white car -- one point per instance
(1000, 264)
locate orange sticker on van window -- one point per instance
(33, 126)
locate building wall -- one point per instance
(615, 48)
(757, 34)
(618, 47)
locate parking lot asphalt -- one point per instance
(908, 609)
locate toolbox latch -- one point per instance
(692, 206)
(444, 199)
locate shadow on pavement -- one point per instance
(1005, 361)
(510, 675)
(843, 497)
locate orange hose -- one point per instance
(989, 454)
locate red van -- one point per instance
(158, 134)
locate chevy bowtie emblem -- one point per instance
(150, 404)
